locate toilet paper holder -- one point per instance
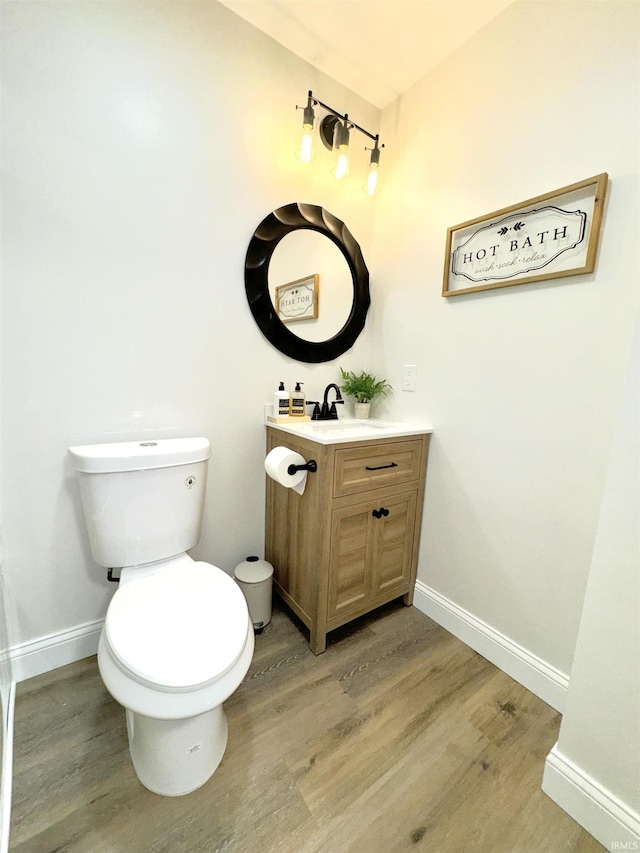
(311, 466)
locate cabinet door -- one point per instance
(350, 575)
(371, 548)
(393, 542)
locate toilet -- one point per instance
(177, 639)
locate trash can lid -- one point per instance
(253, 570)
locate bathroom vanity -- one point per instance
(350, 542)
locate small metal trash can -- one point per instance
(255, 578)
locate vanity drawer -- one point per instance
(359, 469)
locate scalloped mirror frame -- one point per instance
(266, 237)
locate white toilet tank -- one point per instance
(143, 500)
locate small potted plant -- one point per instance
(363, 387)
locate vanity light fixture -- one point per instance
(334, 132)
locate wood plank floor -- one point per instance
(398, 738)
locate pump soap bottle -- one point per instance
(281, 402)
(298, 402)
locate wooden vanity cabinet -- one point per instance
(350, 542)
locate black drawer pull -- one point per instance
(380, 467)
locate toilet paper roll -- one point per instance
(277, 463)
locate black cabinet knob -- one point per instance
(378, 513)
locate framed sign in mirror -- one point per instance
(298, 300)
(550, 236)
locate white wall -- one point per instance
(522, 384)
(143, 142)
(594, 770)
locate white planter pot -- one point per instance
(361, 410)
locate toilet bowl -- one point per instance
(175, 645)
(177, 639)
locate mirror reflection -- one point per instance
(313, 309)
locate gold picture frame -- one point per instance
(549, 236)
(298, 300)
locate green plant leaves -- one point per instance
(363, 386)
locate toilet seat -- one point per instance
(178, 630)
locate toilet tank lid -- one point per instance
(139, 455)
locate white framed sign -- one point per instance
(298, 300)
(550, 236)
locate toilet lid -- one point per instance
(179, 629)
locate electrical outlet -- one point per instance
(409, 376)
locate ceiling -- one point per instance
(377, 48)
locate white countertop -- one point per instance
(350, 429)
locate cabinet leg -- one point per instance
(318, 641)
(408, 598)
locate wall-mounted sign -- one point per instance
(550, 236)
(298, 300)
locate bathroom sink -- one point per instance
(350, 429)
(345, 423)
(362, 427)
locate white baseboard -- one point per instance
(47, 653)
(595, 808)
(532, 672)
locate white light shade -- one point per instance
(372, 186)
(341, 150)
(305, 152)
(341, 169)
(373, 178)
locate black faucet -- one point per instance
(326, 413)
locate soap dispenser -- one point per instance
(297, 402)
(281, 402)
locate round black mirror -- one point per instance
(267, 236)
